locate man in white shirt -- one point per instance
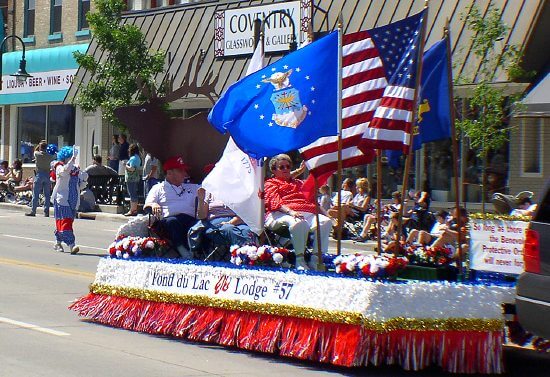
(173, 202)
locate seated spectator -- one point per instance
(87, 201)
(419, 217)
(173, 203)
(370, 219)
(346, 196)
(26, 185)
(4, 170)
(389, 234)
(15, 175)
(425, 238)
(219, 223)
(286, 205)
(525, 208)
(324, 198)
(96, 168)
(360, 204)
(449, 233)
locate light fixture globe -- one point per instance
(21, 75)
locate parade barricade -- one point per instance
(322, 317)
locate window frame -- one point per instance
(81, 16)
(53, 19)
(523, 145)
(26, 11)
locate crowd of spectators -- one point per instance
(188, 215)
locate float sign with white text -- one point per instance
(497, 245)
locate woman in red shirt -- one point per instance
(286, 205)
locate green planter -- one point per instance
(413, 272)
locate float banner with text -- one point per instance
(378, 301)
(497, 245)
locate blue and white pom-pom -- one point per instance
(51, 149)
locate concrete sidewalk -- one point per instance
(347, 246)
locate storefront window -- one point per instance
(54, 123)
(61, 119)
(32, 127)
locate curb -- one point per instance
(80, 215)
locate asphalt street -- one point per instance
(39, 336)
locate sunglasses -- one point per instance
(283, 167)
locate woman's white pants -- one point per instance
(299, 229)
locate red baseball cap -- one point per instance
(175, 163)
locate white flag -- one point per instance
(236, 178)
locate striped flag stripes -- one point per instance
(378, 86)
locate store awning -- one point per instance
(538, 99)
(53, 70)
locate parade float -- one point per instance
(357, 313)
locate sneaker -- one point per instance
(74, 249)
(32, 214)
(46, 214)
(58, 247)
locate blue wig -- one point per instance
(51, 149)
(65, 153)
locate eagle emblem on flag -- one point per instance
(289, 111)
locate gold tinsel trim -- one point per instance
(462, 324)
(492, 216)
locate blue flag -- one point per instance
(434, 112)
(286, 105)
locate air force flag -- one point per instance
(286, 105)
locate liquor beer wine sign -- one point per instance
(234, 34)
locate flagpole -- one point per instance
(259, 38)
(339, 117)
(447, 36)
(320, 264)
(378, 199)
(414, 123)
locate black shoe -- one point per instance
(359, 239)
(46, 214)
(32, 214)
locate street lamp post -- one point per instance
(21, 75)
(259, 26)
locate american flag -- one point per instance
(378, 85)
